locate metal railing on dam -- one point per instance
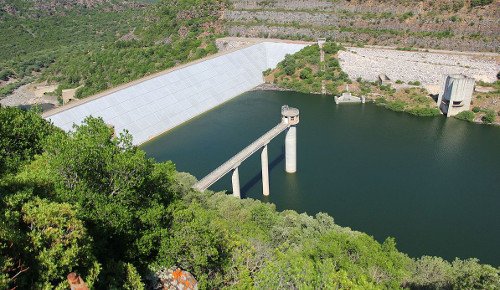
(289, 118)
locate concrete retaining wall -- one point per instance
(156, 105)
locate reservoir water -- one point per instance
(432, 183)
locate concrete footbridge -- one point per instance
(289, 120)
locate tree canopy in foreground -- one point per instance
(91, 202)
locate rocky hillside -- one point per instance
(472, 25)
(40, 8)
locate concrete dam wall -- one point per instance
(153, 106)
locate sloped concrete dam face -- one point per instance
(154, 106)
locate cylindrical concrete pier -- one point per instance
(265, 171)
(291, 150)
(236, 183)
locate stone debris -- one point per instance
(30, 94)
(429, 68)
(76, 282)
(428, 23)
(175, 278)
(224, 44)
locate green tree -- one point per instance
(133, 279)
(122, 194)
(466, 115)
(432, 272)
(288, 65)
(306, 73)
(21, 137)
(59, 240)
(14, 263)
(197, 244)
(489, 117)
(332, 47)
(469, 274)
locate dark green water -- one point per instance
(432, 183)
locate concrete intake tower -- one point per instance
(456, 95)
(289, 120)
(290, 116)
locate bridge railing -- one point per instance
(236, 160)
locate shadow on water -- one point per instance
(258, 177)
(432, 183)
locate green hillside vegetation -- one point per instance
(31, 44)
(90, 202)
(486, 107)
(303, 72)
(96, 50)
(415, 101)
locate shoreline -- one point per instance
(278, 88)
(270, 87)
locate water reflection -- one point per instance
(432, 183)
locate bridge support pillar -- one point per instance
(265, 171)
(236, 183)
(291, 150)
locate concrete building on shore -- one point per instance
(456, 94)
(321, 42)
(383, 79)
(347, 97)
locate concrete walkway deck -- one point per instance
(237, 159)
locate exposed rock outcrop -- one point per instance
(174, 278)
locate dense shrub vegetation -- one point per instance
(94, 49)
(303, 71)
(489, 117)
(466, 116)
(21, 138)
(474, 3)
(29, 45)
(90, 202)
(486, 108)
(410, 100)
